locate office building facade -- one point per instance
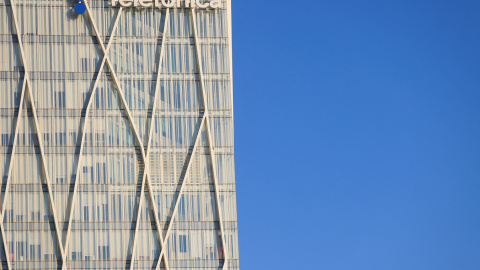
(116, 124)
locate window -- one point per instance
(20, 251)
(101, 173)
(84, 64)
(76, 256)
(5, 138)
(17, 98)
(129, 206)
(104, 252)
(60, 100)
(105, 212)
(35, 252)
(35, 216)
(181, 208)
(12, 251)
(183, 243)
(164, 128)
(86, 170)
(61, 138)
(99, 98)
(74, 136)
(119, 207)
(46, 138)
(85, 213)
(8, 217)
(162, 91)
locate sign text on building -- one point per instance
(168, 3)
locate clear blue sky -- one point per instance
(358, 134)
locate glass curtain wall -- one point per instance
(116, 147)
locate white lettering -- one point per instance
(146, 3)
(168, 3)
(206, 5)
(126, 3)
(216, 4)
(171, 3)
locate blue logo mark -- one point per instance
(80, 7)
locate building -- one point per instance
(116, 124)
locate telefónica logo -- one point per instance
(80, 7)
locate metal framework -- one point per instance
(82, 144)
(144, 149)
(27, 88)
(210, 143)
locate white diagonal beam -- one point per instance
(207, 129)
(44, 164)
(37, 127)
(115, 80)
(209, 133)
(149, 140)
(82, 144)
(9, 173)
(124, 103)
(180, 193)
(217, 195)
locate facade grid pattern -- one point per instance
(116, 148)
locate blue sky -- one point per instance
(358, 134)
